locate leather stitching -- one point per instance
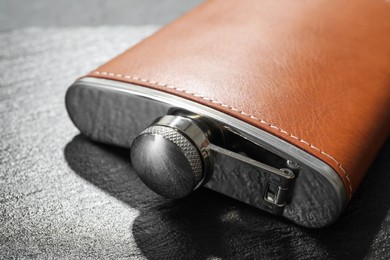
(233, 109)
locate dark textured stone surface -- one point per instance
(15, 14)
(62, 195)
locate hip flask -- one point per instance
(279, 104)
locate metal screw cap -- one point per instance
(167, 161)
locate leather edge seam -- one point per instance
(130, 77)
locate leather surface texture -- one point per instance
(314, 73)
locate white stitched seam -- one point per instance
(233, 109)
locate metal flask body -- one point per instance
(178, 145)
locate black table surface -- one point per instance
(64, 196)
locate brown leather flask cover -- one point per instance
(315, 74)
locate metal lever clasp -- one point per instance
(174, 156)
(279, 182)
(279, 186)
